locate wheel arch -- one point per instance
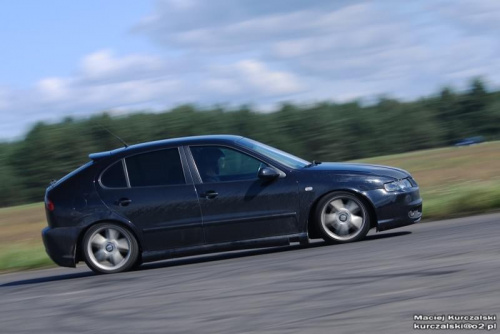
(79, 254)
(311, 227)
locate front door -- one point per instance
(150, 190)
(235, 203)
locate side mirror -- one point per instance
(267, 173)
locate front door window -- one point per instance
(221, 164)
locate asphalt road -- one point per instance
(377, 285)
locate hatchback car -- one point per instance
(202, 194)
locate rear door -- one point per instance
(235, 203)
(154, 192)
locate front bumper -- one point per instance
(60, 244)
(396, 209)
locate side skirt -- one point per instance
(285, 240)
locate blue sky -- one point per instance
(67, 58)
(47, 38)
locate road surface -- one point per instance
(377, 286)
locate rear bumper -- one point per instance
(396, 209)
(60, 244)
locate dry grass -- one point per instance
(22, 223)
(20, 237)
(453, 181)
(448, 166)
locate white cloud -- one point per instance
(5, 98)
(182, 4)
(264, 52)
(223, 86)
(104, 65)
(127, 92)
(105, 81)
(267, 81)
(474, 16)
(257, 78)
(53, 89)
(381, 41)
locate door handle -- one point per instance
(209, 194)
(123, 201)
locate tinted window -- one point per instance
(217, 164)
(114, 177)
(158, 168)
(282, 157)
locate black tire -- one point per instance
(110, 248)
(137, 264)
(331, 218)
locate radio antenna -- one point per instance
(111, 133)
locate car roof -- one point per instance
(207, 139)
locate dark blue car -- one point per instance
(470, 141)
(194, 195)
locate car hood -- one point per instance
(362, 169)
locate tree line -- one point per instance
(325, 131)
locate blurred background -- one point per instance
(409, 84)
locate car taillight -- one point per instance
(49, 205)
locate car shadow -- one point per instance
(386, 235)
(176, 262)
(47, 279)
(205, 258)
(254, 252)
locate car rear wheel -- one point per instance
(342, 217)
(109, 248)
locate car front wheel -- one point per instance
(342, 217)
(109, 248)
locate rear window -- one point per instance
(70, 175)
(158, 168)
(114, 176)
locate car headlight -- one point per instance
(397, 185)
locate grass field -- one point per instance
(21, 244)
(453, 182)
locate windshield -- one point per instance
(283, 158)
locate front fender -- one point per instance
(314, 186)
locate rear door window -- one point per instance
(114, 176)
(158, 168)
